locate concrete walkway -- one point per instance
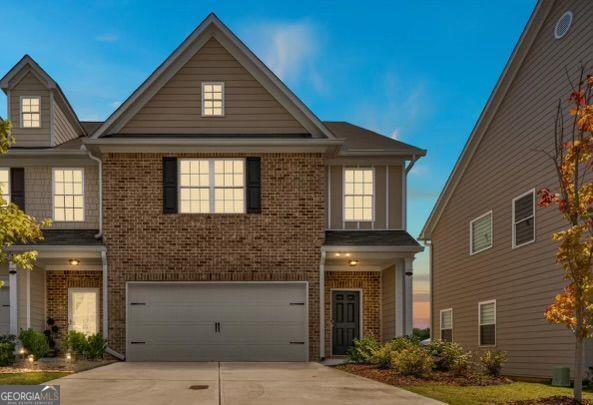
(227, 383)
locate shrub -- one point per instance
(382, 356)
(7, 353)
(96, 346)
(461, 365)
(34, 342)
(51, 333)
(413, 361)
(7, 339)
(362, 350)
(445, 354)
(492, 362)
(76, 343)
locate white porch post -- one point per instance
(105, 296)
(322, 306)
(409, 294)
(13, 295)
(399, 298)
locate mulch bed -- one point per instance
(53, 364)
(391, 377)
(555, 400)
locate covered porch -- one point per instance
(367, 283)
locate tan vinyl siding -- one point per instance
(37, 281)
(28, 137)
(63, 129)
(249, 107)
(388, 304)
(382, 218)
(523, 281)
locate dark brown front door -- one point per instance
(346, 320)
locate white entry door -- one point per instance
(83, 310)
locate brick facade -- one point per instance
(370, 283)
(282, 243)
(58, 283)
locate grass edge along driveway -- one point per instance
(32, 378)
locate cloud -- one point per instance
(107, 38)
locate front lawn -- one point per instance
(33, 378)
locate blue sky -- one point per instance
(420, 71)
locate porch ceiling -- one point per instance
(366, 261)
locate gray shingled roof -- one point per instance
(370, 238)
(70, 237)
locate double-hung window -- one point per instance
(212, 186)
(30, 112)
(68, 195)
(480, 230)
(358, 194)
(5, 184)
(524, 219)
(447, 325)
(487, 322)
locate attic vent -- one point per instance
(563, 25)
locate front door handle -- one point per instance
(216, 327)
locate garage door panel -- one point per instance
(217, 322)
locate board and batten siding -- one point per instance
(30, 85)
(249, 107)
(508, 163)
(388, 212)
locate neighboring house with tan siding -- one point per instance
(212, 216)
(493, 270)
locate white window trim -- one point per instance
(532, 192)
(223, 97)
(441, 322)
(78, 289)
(471, 233)
(211, 186)
(21, 111)
(53, 194)
(480, 323)
(8, 191)
(358, 222)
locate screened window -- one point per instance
(358, 194)
(487, 320)
(5, 184)
(447, 325)
(212, 186)
(68, 190)
(481, 233)
(524, 219)
(30, 112)
(213, 99)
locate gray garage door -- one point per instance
(217, 322)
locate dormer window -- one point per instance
(212, 99)
(30, 112)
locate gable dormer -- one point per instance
(41, 115)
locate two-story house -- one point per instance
(493, 267)
(212, 216)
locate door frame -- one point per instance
(83, 289)
(331, 312)
(305, 283)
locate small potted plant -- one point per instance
(51, 333)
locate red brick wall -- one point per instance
(58, 283)
(370, 283)
(282, 243)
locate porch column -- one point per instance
(13, 295)
(322, 306)
(409, 294)
(399, 298)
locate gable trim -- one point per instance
(514, 64)
(184, 52)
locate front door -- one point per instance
(346, 320)
(83, 310)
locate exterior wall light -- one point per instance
(74, 262)
(353, 262)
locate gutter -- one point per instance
(100, 162)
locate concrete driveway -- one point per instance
(227, 383)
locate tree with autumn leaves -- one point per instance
(16, 227)
(573, 162)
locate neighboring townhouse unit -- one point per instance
(212, 216)
(493, 269)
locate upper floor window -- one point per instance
(447, 325)
(212, 186)
(212, 99)
(524, 219)
(487, 322)
(358, 194)
(480, 230)
(30, 112)
(68, 194)
(5, 184)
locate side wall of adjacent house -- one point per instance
(508, 163)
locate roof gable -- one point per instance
(211, 28)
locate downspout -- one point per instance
(322, 306)
(99, 235)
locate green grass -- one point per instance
(30, 378)
(494, 394)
